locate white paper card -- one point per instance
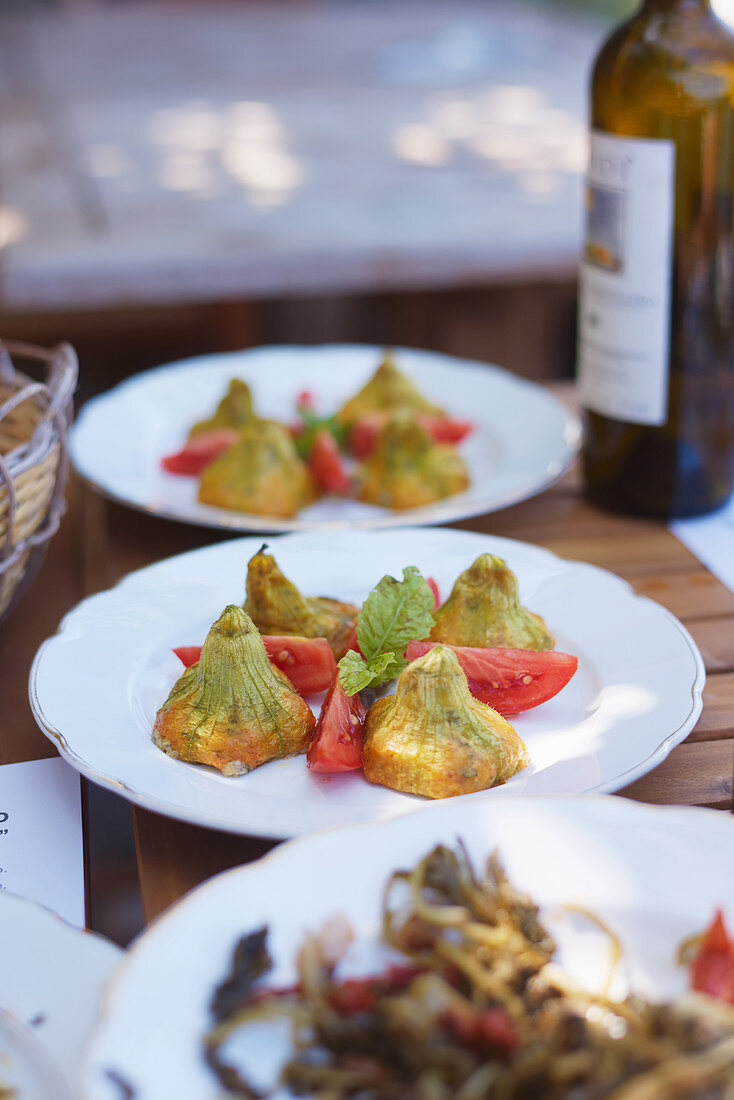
(711, 539)
(41, 846)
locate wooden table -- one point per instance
(99, 542)
(158, 153)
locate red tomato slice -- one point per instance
(325, 463)
(712, 970)
(356, 995)
(363, 435)
(305, 400)
(199, 452)
(307, 662)
(493, 1027)
(509, 680)
(445, 429)
(337, 741)
(442, 429)
(434, 588)
(188, 654)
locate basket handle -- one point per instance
(62, 371)
(62, 378)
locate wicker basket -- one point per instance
(34, 417)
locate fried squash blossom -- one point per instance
(260, 473)
(409, 470)
(388, 391)
(434, 738)
(276, 606)
(484, 609)
(233, 709)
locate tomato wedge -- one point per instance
(492, 1027)
(325, 463)
(363, 434)
(509, 680)
(188, 654)
(199, 452)
(337, 741)
(356, 995)
(445, 429)
(712, 970)
(307, 662)
(442, 429)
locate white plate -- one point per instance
(523, 441)
(655, 875)
(96, 686)
(51, 988)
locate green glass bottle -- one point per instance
(656, 299)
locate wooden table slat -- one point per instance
(695, 774)
(717, 720)
(690, 595)
(715, 638)
(174, 857)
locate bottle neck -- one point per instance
(679, 7)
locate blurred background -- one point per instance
(181, 176)
(185, 176)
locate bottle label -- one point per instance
(625, 283)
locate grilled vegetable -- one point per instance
(261, 473)
(484, 609)
(408, 470)
(233, 709)
(249, 962)
(433, 738)
(277, 607)
(478, 1009)
(233, 411)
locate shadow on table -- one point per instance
(115, 904)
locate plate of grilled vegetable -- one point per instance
(570, 949)
(293, 438)
(321, 680)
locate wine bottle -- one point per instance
(656, 299)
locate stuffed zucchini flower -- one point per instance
(484, 609)
(388, 390)
(260, 473)
(433, 738)
(278, 607)
(408, 470)
(233, 411)
(233, 709)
